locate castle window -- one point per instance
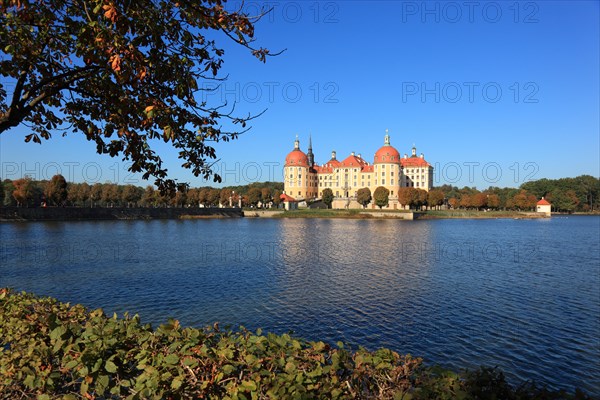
(383, 181)
(392, 182)
(383, 173)
(392, 173)
(392, 192)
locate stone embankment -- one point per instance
(117, 213)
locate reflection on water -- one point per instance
(519, 294)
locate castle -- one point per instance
(304, 180)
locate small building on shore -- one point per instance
(543, 206)
(289, 203)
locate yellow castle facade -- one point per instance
(304, 180)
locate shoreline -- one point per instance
(18, 214)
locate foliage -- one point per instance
(266, 195)
(363, 196)
(54, 350)
(254, 196)
(454, 202)
(26, 192)
(131, 194)
(581, 193)
(413, 197)
(56, 190)
(9, 188)
(435, 198)
(381, 196)
(124, 74)
(225, 195)
(113, 195)
(1, 193)
(327, 197)
(277, 198)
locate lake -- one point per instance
(520, 294)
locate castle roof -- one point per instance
(414, 162)
(387, 154)
(287, 198)
(353, 161)
(296, 158)
(543, 202)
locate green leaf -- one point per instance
(171, 359)
(248, 386)
(110, 367)
(102, 383)
(176, 384)
(30, 381)
(228, 369)
(57, 332)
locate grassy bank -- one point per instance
(54, 350)
(433, 214)
(320, 213)
(343, 213)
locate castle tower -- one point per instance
(309, 154)
(296, 178)
(387, 171)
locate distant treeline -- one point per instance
(26, 192)
(566, 194)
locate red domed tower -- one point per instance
(296, 173)
(387, 154)
(386, 168)
(296, 157)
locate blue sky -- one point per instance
(493, 93)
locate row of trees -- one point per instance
(26, 192)
(581, 193)
(566, 194)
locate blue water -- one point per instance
(520, 294)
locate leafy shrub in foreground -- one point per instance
(50, 349)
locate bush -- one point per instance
(50, 349)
